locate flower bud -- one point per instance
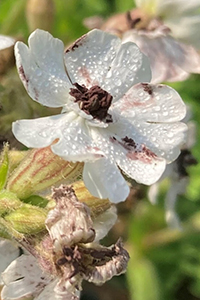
(27, 219)
(40, 169)
(8, 202)
(40, 14)
(15, 157)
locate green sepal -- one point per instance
(8, 202)
(27, 219)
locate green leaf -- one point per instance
(36, 201)
(4, 165)
(143, 280)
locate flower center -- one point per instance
(94, 101)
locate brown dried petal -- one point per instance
(115, 266)
(69, 222)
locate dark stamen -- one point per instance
(94, 101)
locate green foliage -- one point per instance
(4, 165)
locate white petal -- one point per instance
(8, 252)
(98, 58)
(23, 279)
(104, 180)
(41, 68)
(48, 292)
(163, 139)
(37, 133)
(104, 222)
(129, 67)
(138, 161)
(151, 103)
(89, 59)
(169, 8)
(6, 42)
(170, 60)
(74, 144)
(187, 29)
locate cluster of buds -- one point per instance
(60, 231)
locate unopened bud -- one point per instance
(8, 202)
(15, 157)
(40, 169)
(40, 14)
(27, 219)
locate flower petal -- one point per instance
(170, 60)
(41, 69)
(74, 144)
(151, 103)
(163, 140)
(187, 29)
(98, 58)
(104, 180)
(129, 67)
(23, 279)
(37, 133)
(104, 222)
(131, 153)
(88, 59)
(8, 252)
(6, 42)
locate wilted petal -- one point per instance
(104, 180)
(98, 58)
(69, 222)
(42, 70)
(115, 266)
(23, 279)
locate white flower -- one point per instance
(169, 35)
(6, 42)
(8, 252)
(108, 118)
(178, 177)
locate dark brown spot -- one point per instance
(76, 44)
(143, 154)
(23, 75)
(132, 21)
(94, 101)
(147, 88)
(129, 142)
(61, 261)
(67, 251)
